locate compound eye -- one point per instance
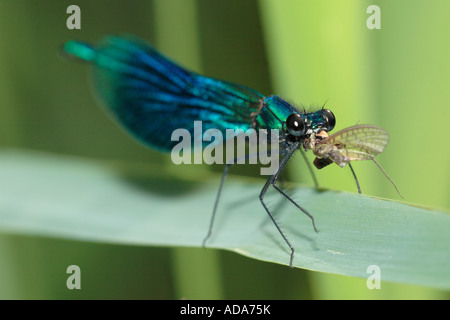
(295, 125)
(329, 118)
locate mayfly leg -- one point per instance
(387, 176)
(354, 176)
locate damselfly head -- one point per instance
(316, 124)
(322, 120)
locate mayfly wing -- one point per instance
(360, 142)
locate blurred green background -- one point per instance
(307, 51)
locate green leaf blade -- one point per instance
(90, 201)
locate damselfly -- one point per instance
(151, 96)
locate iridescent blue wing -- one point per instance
(152, 96)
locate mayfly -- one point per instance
(359, 142)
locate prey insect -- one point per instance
(359, 142)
